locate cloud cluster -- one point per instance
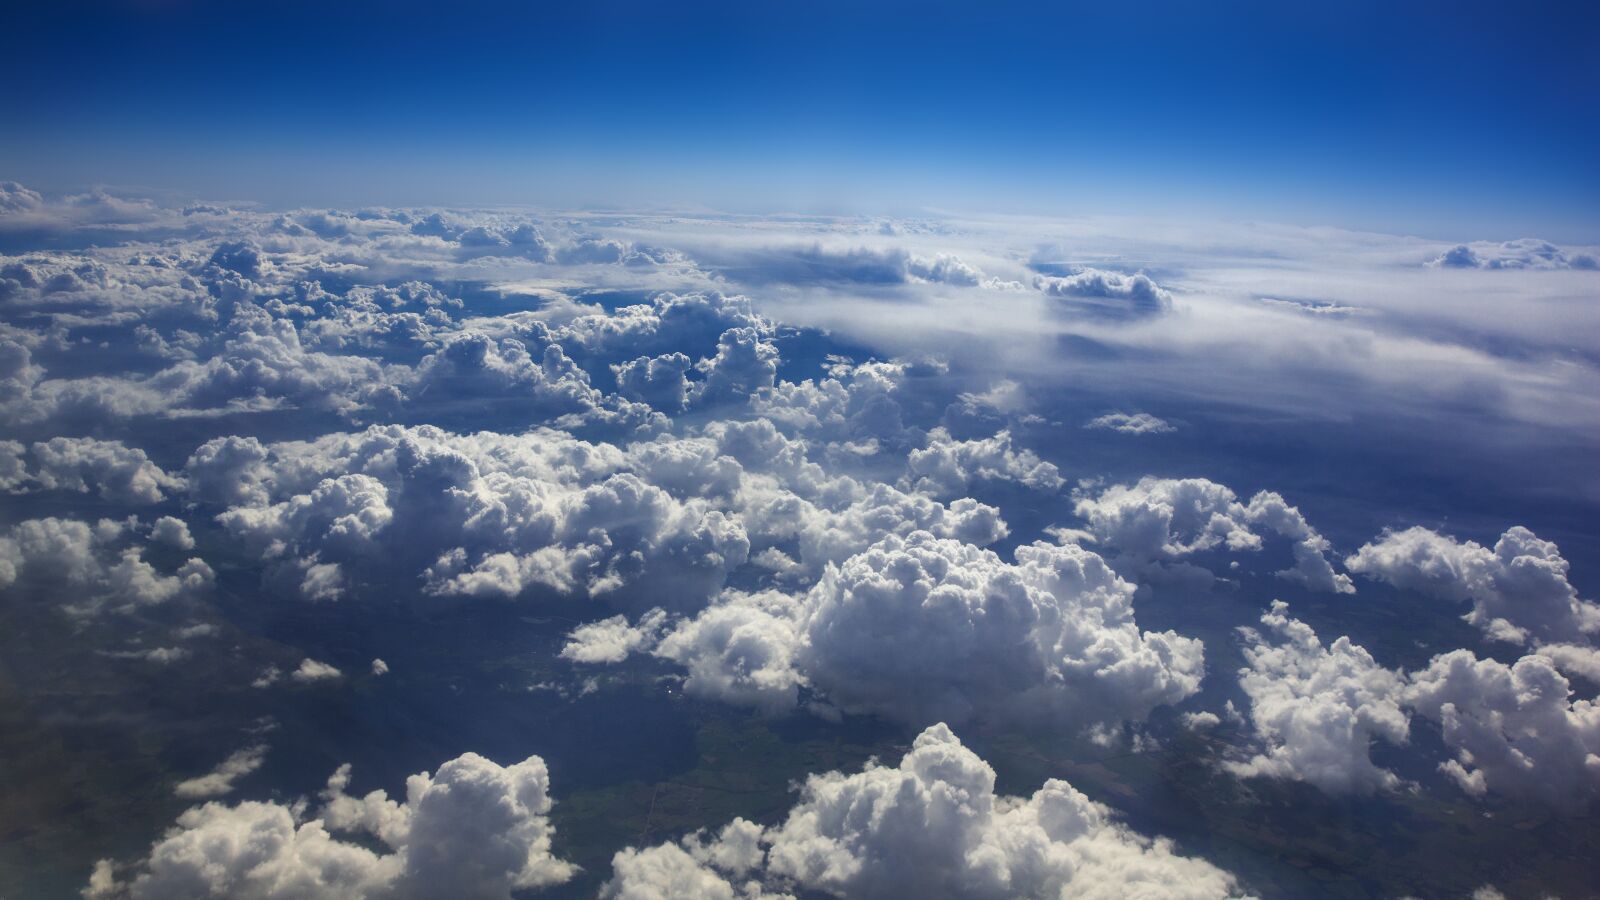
(486, 514)
(612, 640)
(495, 514)
(930, 826)
(89, 568)
(855, 403)
(1109, 294)
(1514, 730)
(471, 829)
(923, 628)
(112, 469)
(1518, 590)
(281, 339)
(1524, 253)
(946, 466)
(1163, 519)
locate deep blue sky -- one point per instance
(1441, 118)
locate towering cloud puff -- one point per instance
(1163, 518)
(923, 628)
(745, 363)
(473, 829)
(230, 471)
(944, 269)
(1519, 590)
(603, 539)
(928, 628)
(669, 323)
(1317, 709)
(931, 826)
(657, 380)
(739, 651)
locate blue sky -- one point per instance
(1451, 119)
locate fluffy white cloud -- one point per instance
(1108, 294)
(563, 510)
(832, 535)
(670, 323)
(230, 471)
(110, 468)
(1312, 567)
(541, 383)
(612, 640)
(1518, 590)
(745, 363)
(15, 198)
(856, 402)
(172, 532)
(945, 269)
(1316, 710)
(264, 358)
(1574, 659)
(89, 568)
(472, 829)
(1515, 729)
(924, 628)
(662, 522)
(930, 826)
(310, 671)
(945, 467)
(341, 515)
(696, 867)
(660, 381)
(290, 343)
(602, 539)
(1163, 519)
(741, 651)
(930, 628)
